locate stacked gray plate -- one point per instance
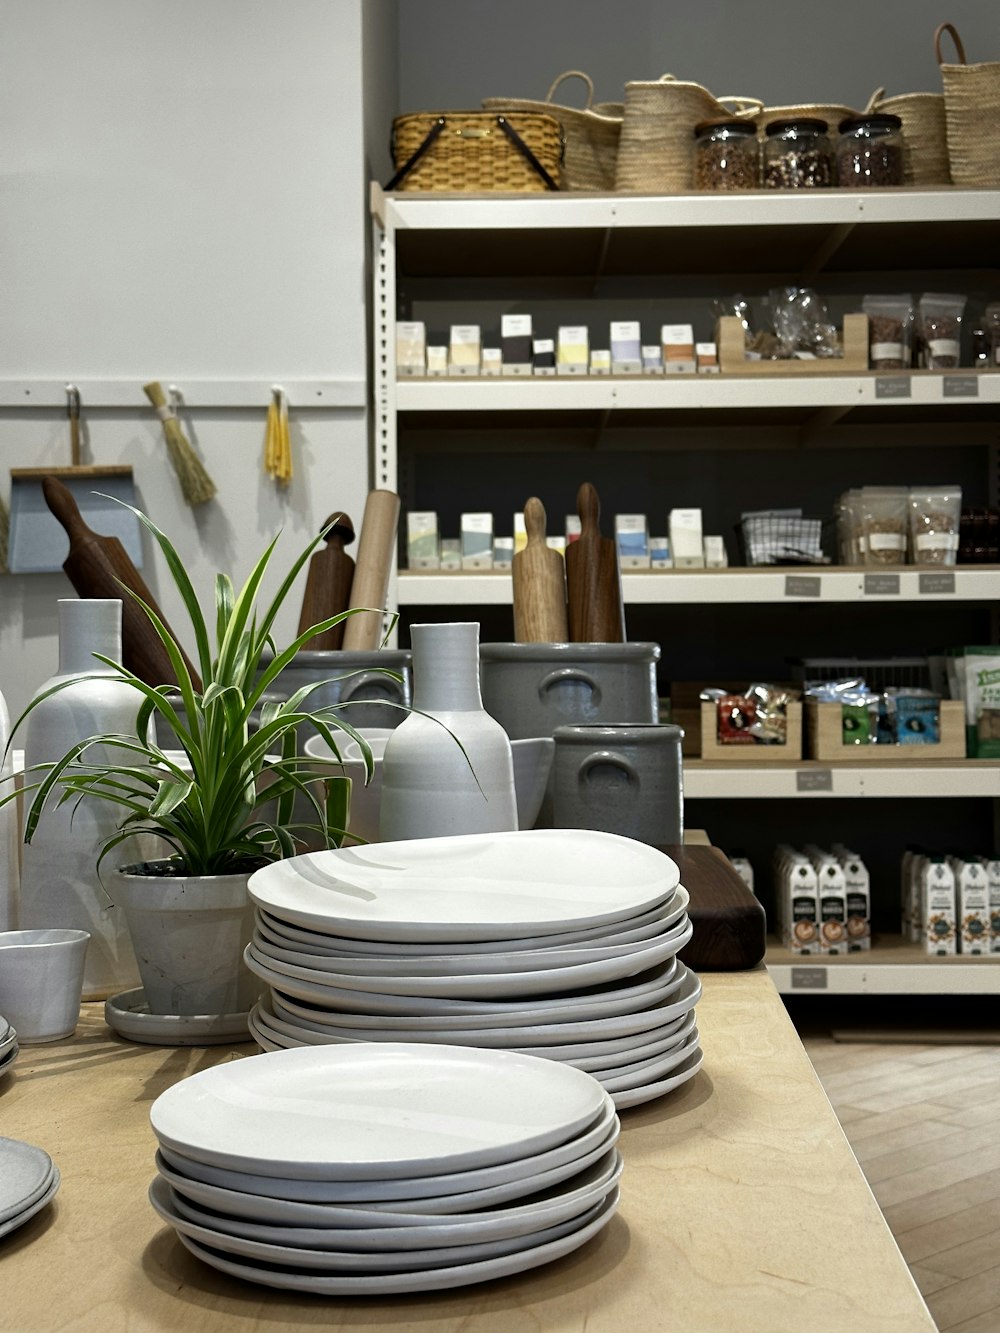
(8, 1046)
(556, 943)
(28, 1181)
(385, 1168)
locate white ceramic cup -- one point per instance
(41, 982)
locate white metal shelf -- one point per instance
(890, 967)
(811, 780)
(705, 392)
(698, 586)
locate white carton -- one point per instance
(744, 869)
(632, 537)
(411, 348)
(464, 346)
(686, 544)
(422, 539)
(972, 887)
(993, 875)
(937, 907)
(477, 541)
(832, 904)
(798, 902)
(857, 884)
(626, 348)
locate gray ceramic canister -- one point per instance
(354, 678)
(620, 779)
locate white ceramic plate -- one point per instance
(647, 1071)
(375, 1112)
(128, 1015)
(7, 1042)
(381, 1284)
(8, 1058)
(483, 886)
(25, 1175)
(602, 1135)
(19, 1219)
(459, 971)
(633, 927)
(646, 1092)
(285, 1253)
(373, 1229)
(599, 1058)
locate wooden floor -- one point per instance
(924, 1122)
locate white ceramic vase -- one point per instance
(189, 933)
(428, 787)
(10, 833)
(60, 886)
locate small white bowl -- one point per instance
(41, 982)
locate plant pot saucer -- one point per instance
(128, 1015)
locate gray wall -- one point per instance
(455, 52)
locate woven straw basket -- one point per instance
(926, 159)
(591, 133)
(471, 153)
(971, 109)
(655, 154)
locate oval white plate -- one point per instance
(39, 1203)
(659, 918)
(647, 1071)
(26, 1173)
(284, 1252)
(374, 1229)
(422, 1013)
(482, 886)
(646, 1092)
(435, 1279)
(374, 1112)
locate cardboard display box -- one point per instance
(731, 339)
(825, 731)
(791, 752)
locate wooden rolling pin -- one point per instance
(376, 547)
(328, 585)
(593, 578)
(97, 566)
(539, 577)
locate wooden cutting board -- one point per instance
(97, 566)
(328, 585)
(539, 579)
(730, 928)
(593, 578)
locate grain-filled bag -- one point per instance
(925, 156)
(476, 151)
(655, 152)
(971, 110)
(590, 133)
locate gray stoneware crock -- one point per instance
(620, 779)
(532, 688)
(355, 678)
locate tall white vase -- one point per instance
(59, 880)
(10, 833)
(428, 787)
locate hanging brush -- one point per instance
(196, 485)
(277, 441)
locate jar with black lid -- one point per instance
(870, 152)
(726, 155)
(797, 154)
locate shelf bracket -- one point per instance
(817, 422)
(832, 242)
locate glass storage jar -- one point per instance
(797, 154)
(870, 152)
(726, 155)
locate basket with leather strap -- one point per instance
(925, 161)
(590, 132)
(971, 110)
(476, 151)
(655, 152)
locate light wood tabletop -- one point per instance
(742, 1209)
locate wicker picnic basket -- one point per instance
(971, 109)
(925, 161)
(591, 133)
(476, 151)
(656, 148)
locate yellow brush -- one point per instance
(196, 485)
(277, 440)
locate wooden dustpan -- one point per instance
(38, 543)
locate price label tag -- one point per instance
(892, 386)
(881, 585)
(935, 585)
(808, 978)
(814, 779)
(960, 386)
(803, 585)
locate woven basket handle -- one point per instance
(742, 106)
(573, 74)
(874, 100)
(952, 32)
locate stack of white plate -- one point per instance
(385, 1168)
(8, 1046)
(558, 943)
(28, 1180)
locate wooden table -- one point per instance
(743, 1208)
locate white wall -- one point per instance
(183, 196)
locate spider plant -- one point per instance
(209, 807)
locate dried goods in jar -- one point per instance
(797, 155)
(726, 155)
(870, 152)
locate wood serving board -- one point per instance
(730, 929)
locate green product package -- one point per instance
(855, 722)
(979, 683)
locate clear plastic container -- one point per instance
(884, 513)
(798, 154)
(935, 520)
(870, 152)
(726, 155)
